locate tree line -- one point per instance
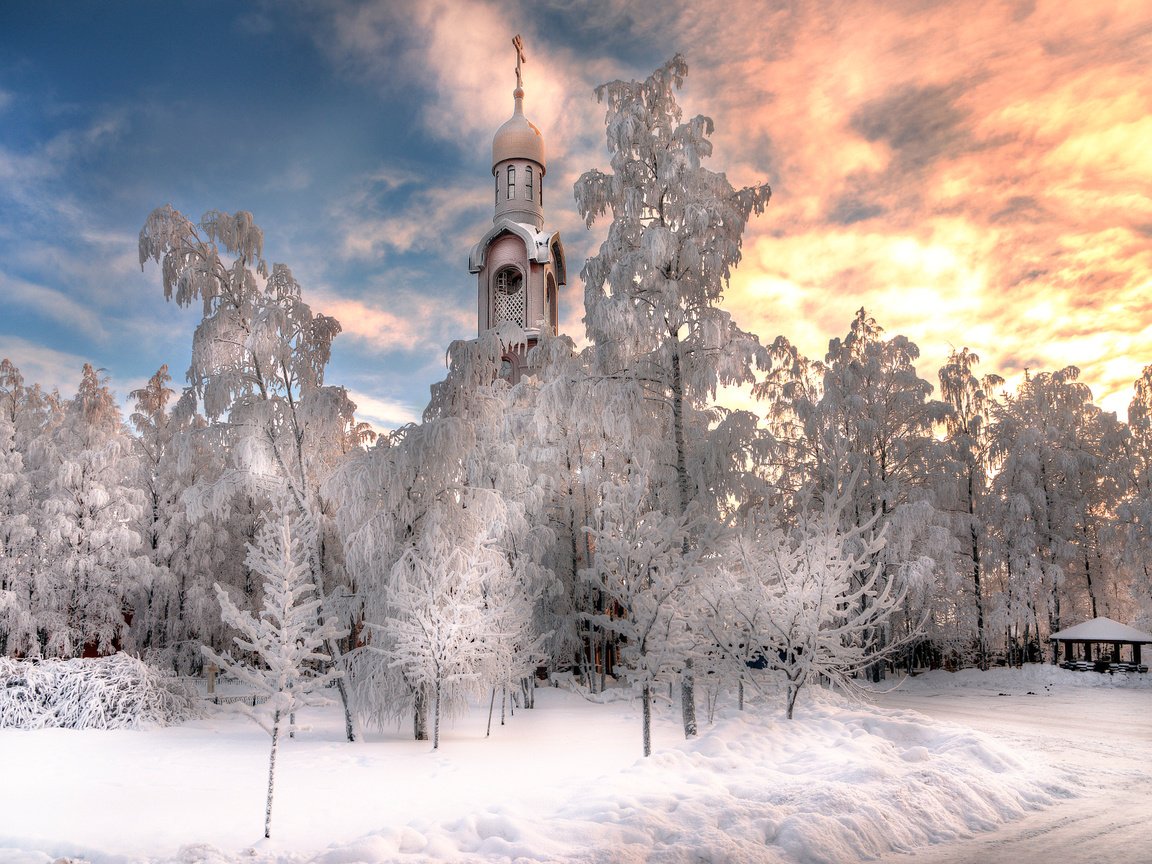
(607, 514)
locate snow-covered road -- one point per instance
(1100, 738)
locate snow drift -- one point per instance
(117, 692)
(563, 782)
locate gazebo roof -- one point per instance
(1102, 630)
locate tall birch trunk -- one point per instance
(646, 707)
(436, 717)
(271, 774)
(687, 683)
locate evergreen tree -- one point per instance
(287, 637)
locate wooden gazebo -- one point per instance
(1109, 638)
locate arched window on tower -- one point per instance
(509, 300)
(528, 192)
(511, 182)
(496, 177)
(541, 187)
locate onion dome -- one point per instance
(518, 138)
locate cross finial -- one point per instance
(518, 44)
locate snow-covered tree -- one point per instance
(641, 567)
(282, 647)
(439, 634)
(565, 446)
(19, 558)
(178, 454)
(155, 606)
(661, 343)
(865, 412)
(966, 485)
(92, 560)
(812, 594)
(428, 500)
(257, 373)
(1134, 515)
(1057, 488)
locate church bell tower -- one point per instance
(519, 266)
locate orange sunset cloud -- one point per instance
(972, 174)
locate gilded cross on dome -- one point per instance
(518, 44)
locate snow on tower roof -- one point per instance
(1102, 630)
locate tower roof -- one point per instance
(518, 138)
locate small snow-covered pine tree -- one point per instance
(286, 637)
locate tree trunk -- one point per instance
(646, 709)
(271, 774)
(342, 688)
(436, 718)
(978, 590)
(688, 699)
(1088, 576)
(419, 713)
(687, 691)
(604, 663)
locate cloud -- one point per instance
(401, 321)
(444, 218)
(383, 414)
(49, 303)
(51, 369)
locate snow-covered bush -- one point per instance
(117, 692)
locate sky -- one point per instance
(974, 174)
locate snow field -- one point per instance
(1094, 730)
(563, 782)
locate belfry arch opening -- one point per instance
(508, 297)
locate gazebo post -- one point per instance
(1136, 653)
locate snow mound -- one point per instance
(841, 783)
(117, 692)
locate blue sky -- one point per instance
(973, 173)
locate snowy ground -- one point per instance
(564, 782)
(1094, 729)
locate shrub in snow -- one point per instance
(117, 692)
